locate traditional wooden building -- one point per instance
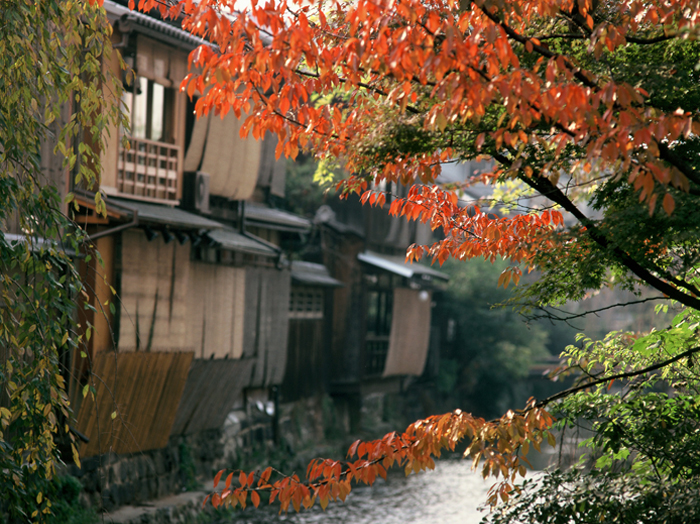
(195, 306)
(191, 251)
(382, 328)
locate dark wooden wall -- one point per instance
(348, 322)
(266, 325)
(305, 374)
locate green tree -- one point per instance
(491, 347)
(302, 195)
(590, 105)
(51, 94)
(641, 400)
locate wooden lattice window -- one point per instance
(306, 303)
(149, 167)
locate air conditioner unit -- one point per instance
(195, 191)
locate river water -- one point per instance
(450, 494)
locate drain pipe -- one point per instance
(241, 217)
(134, 222)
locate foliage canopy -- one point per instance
(50, 104)
(591, 104)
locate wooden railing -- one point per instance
(148, 169)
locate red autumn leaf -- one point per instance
(217, 478)
(669, 203)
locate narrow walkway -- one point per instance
(175, 509)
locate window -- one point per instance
(379, 315)
(149, 167)
(150, 106)
(306, 303)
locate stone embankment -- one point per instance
(167, 486)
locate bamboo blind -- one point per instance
(213, 389)
(144, 390)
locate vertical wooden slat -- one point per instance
(145, 390)
(212, 390)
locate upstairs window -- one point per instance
(150, 106)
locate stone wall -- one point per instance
(110, 481)
(248, 440)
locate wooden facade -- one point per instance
(199, 320)
(382, 315)
(207, 311)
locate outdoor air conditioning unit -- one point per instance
(195, 191)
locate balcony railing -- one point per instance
(376, 349)
(148, 169)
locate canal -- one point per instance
(450, 494)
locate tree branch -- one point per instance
(628, 374)
(542, 50)
(667, 154)
(648, 41)
(572, 316)
(552, 192)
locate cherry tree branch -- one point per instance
(547, 189)
(571, 316)
(618, 376)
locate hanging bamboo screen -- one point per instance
(212, 390)
(144, 389)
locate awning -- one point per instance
(398, 266)
(310, 274)
(37, 243)
(257, 215)
(234, 241)
(165, 215)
